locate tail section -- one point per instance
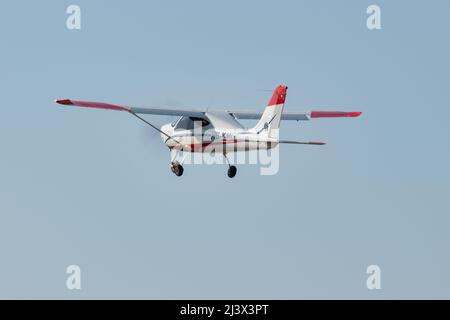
(269, 124)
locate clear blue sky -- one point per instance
(93, 188)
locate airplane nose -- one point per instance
(167, 132)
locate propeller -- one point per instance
(150, 133)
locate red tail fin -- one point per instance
(279, 96)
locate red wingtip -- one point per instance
(334, 114)
(89, 104)
(66, 102)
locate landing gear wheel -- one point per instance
(232, 171)
(177, 169)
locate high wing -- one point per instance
(203, 112)
(156, 111)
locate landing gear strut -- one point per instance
(177, 168)
(231, 169)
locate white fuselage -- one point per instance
(214, 140)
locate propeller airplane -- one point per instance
(213, 130)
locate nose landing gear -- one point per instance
(177, 168)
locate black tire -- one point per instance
(232, 170)
(177, 169)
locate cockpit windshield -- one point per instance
(187, 123)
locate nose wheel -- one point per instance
(177, 168)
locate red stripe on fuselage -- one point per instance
(202, 146)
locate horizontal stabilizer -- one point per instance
(316, 143)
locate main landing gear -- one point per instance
(176, 166)
(232, 170)
(178, 169)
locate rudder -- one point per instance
(269, 123)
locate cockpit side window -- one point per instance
(200, 122)
(187, 123)
(184, 124)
